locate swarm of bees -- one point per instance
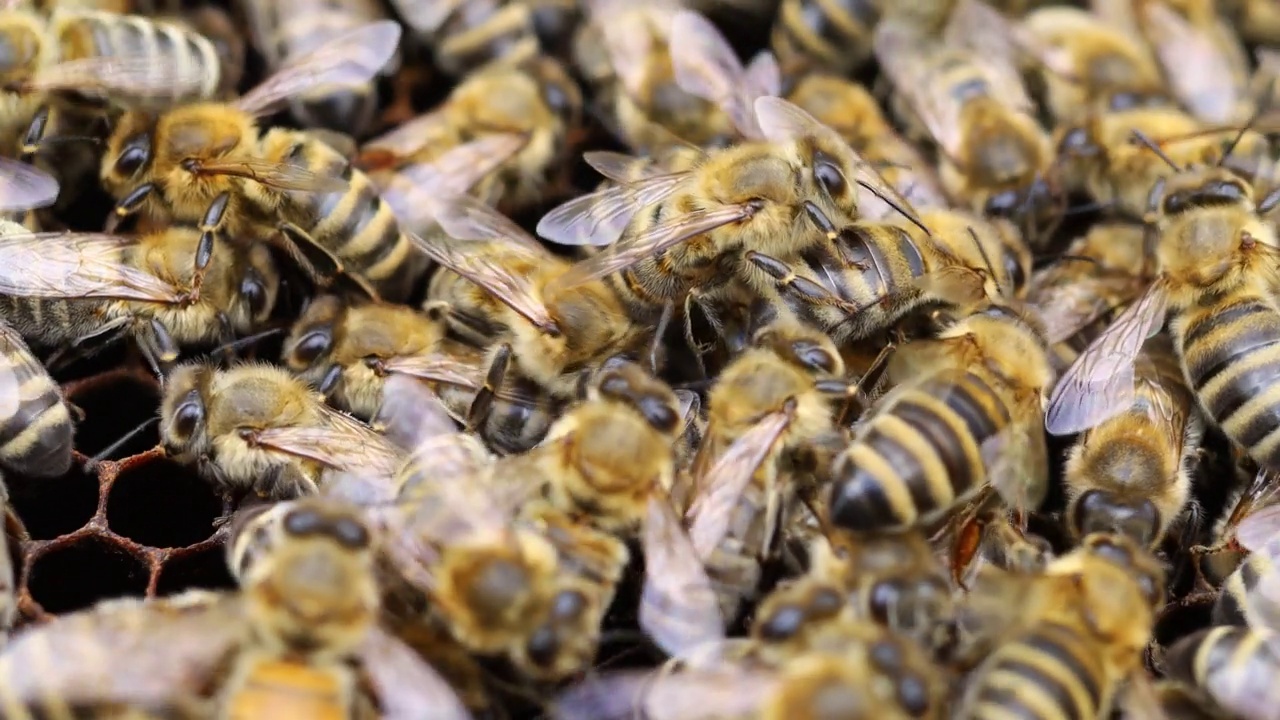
(904, 360)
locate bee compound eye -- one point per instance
(829, 177)
(784, 622)
(543, 646)
(312, 346)
(304, 521)
(350, 533)
(255, 295)
(187, 418)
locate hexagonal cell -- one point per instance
(112, 408)
(160, 503)
(75, 576)
(50, 507)
(205, 569)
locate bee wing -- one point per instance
(426, 16)
(701, 695)
(278, 175)
(412, 192)
(1258, 531)
(1017, 465)
(628, 43)
(77, 265)
(122, 79)
(466, 218)
(1200, 74)
(406, 687)
(414, 135)
(1100, 381)
(985, 31)
(127, 652)
(706, 66)
(633, 249)
(25, 187)
(1066, 309)
(724, 483)
(513, 290)
(339, 441)
(764, 76)
(437, 368)
(678, 606)
(411, 414)
(690, 404)
(621, 167)
(351, 58)
(783, 121)
(601, 217)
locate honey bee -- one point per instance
(1076, 635)
(1213, 287)
(767, 409)
(466, 37)
(1102, 159)
(1230, 662)
(553, 330)
(35, 421)
(281, 38)
(965, 414)
(300, 639)
(811, 36)
(872, 275)
(258, 428)
(206, 163)
(1130, 474)
(852, 111)
(504, 132)
(1089, 66)
(686, 248)
(847, 669)
(83, 289)
(530, 584)
(993, 154)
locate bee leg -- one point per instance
(481, 405)
(692, 299)
(655, 345)
(81, 347)
(35, 133)
(128, 205)
(158, 347)
(803, 289)
(320, 265)
(1269, 202)
(330, 380)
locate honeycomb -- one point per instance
(132, 524)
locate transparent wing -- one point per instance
(466, 218)
(17, 364)
(633, 249)
(1200, 74)
(601, 217)
(128, 651)
(25, 187)
(426, 16)
(77, 265)
(1100, 382)
(406, 687)
(764, 77)
(514, 290)
(678, 606)
(723, 485)
(706, 66)
(994, 40)
(411, 414)
(351, 58)
(279, 175)
(622, 168)
(1259, 530)
(437, 368)
(413, 191)
(726, 693)
(339, 441)
(1066, 309)
(414, 135)
(123, 79)
(783, 121)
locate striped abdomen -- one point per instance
(1051, 673)
(832, 35)
(90, 34)
(1235, 666)
(918, 456)
(35, 426)
(355, 224)
(51, 324)
(1231, 357)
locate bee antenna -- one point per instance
(982, 251)
(1088, 207)
(1258, 112)
(904, 212)
(1142, 139)
(91, 464)
(226, 348)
